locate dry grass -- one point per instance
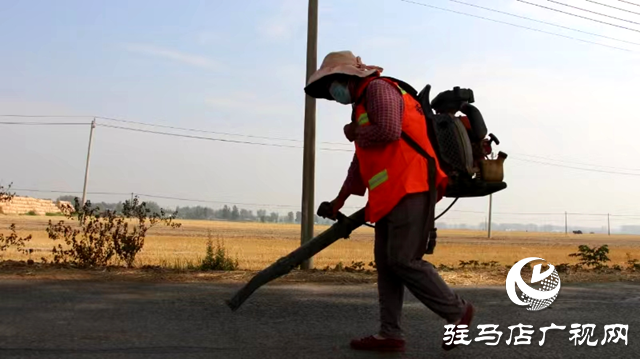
(256, 245)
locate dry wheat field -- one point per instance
(256, 245)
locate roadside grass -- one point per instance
(206, 249)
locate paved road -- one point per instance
(78, 319)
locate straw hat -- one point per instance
(337, 63)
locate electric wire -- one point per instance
(212, 132)
(175, 128)
(47, 116)
(544, 22)
(267, 205)
(629, 2)
(68, 192)
(217, 139)
(216, 202)
(336, 149)
(575, 163)
(155, 196)
(44, 123)
(519, 26)
(576, 15)
(576, 168)
(613, 7)
(593, 12)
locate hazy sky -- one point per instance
(239, 67)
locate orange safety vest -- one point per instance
(395, 170)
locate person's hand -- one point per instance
(336, 205)
(350, 131)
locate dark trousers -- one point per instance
(400, 243)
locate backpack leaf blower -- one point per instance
(464, 152)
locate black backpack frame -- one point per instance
(466, 187)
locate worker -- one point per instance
(399, 198)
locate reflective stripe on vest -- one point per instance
(363, 119)
(378, 179)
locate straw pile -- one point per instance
(24, 205)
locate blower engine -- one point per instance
(462, 144)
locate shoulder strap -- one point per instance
(405, 86)
(429, 228)
(423, 100)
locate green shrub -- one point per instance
(489, 264)
(472, 262)
(563, 267)
(355, 267)
(633, 263)
(218, 259)
(337, 268)
(100, 236)
(592, 257)
(14, 240)
(445, 268)
(5, 195)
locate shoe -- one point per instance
(466, 319)
(375, 344)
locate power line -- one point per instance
(175, 128)
(578, 163)
(543, 22)
(464, 211)
(151, 196)
(45, 123)
(528, 213)
(216, 202)
(629, 2)
(625, 215)
(613, 7)
(580, 16)
(519, 26)
(577, 168)
(212, 132)
(266, 205)
(290, 146)
(593, 12)
(68, 192)
(49, 116)
(216, 139)
(586, 214)
(162, 197)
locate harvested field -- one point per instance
(257, 245)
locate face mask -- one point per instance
(340, 92)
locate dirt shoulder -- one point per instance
(456, 277)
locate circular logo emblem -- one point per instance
(544, 289)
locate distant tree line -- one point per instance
(225, 213)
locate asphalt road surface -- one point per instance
(78, 319)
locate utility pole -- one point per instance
(308, 166)
(489, 223)
(86, 170)
(608, 225)
(566, 228)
